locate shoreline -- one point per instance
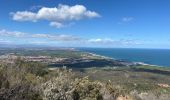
(136, 63)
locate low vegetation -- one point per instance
(35, 81)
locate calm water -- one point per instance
(159, 57)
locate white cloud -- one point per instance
(24, 16)
(63, 39)
(100, 41)
(127, 19)
(11, 33)
(57, 15)
(53, 37)
(107, 41)
(38, 42)
(91, 14)
(39, 35)
(59, 37)
(57, 24)
(3, 41)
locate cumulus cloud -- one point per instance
(57, 15)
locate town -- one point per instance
(85, 59)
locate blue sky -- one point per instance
(86, 23)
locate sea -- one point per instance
(160, 57)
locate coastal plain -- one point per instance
(129, 79)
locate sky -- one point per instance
(86, 23)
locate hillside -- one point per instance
(32, 79)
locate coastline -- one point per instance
(135, 63)
(153, 57)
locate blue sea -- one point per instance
(159, 57)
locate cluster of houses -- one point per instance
(10, 58)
